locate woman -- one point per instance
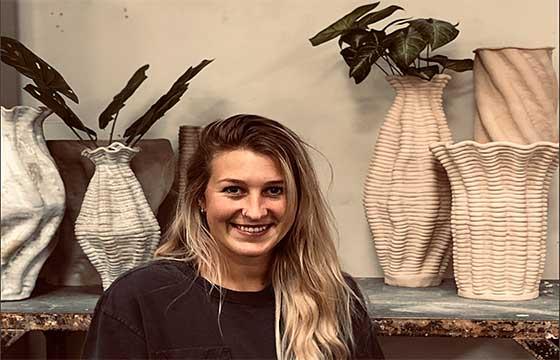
(249, 267)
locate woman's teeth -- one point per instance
(252, 229)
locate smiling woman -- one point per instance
(249, 268)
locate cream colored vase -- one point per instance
(116, 227)
(499, 215)
(32, 200)
(407, 198)
(516, 94)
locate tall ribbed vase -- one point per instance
(32, 200)
(116, 227)
(499, 215)
(407, 198)
(516, 94)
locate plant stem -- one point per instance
(396, 68)
(113, 127)
(428, 55)
(385, 72)
(80, 140)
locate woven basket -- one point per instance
(499, 215)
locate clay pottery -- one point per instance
(406, 196)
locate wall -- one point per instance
(265, 64)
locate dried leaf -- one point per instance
(15, 54)
(119, 100)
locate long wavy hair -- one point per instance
(314, 304)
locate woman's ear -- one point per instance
(202, 205)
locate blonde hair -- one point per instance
(314, 304)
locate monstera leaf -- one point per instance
(119, 100)
(343, 24)
(164, 103)
(56, 103)
(436, 32)
(15, 54)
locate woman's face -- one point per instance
(245, 204)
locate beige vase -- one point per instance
(516, 95)
(32, 200)
(116, 228)
(406, 197)
(68, 265)
(499, 215)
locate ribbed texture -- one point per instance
(499, 215)
(33, 200)
(406, 193)
(188, 142)
(516, 95)
(116, 227)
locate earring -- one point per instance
(202, 210)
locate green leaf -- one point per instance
(343, 24)
(426, 72)
(358, 37)
(436, 32)
(405, 45)
(56, 103)
(15, 54)
(361, 59)
(455, 65)
(164, 103)
(118, 102)
(378, 16)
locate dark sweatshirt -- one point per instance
(162, 310)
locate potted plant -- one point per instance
(406, 196)
(116, 228)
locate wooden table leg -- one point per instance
(541, 349)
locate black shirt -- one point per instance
(162, 310)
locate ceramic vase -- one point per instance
(188, 142)
(516, 95)
(406, 196)
(116, 228)
(499, 215)
(68, 265)
(32, 200)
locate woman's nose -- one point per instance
(255, 207)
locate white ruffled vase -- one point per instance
(116, 227)
(406, 195)
(33, 200)
(499, 215)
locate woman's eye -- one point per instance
(275, 190)
(232, 190)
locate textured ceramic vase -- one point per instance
(68, 265)
(516, 95)
(407, 198)
(188, 142)
(116, 227)
(32, 200)
(499, 215)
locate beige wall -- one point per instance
(265, 65)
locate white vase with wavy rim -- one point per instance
(516, 95)
(32, 200)
(116, 227)
(499, 215)
(406, 196)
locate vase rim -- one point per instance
(514, 47)
(114, 147)
(436, 76)
(36, 109)
(449, 145)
